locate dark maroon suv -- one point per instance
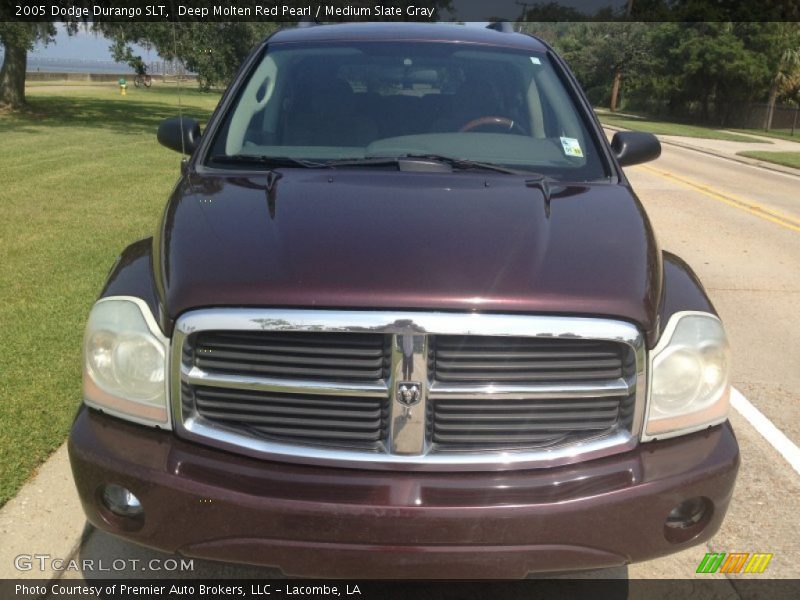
(404, 316)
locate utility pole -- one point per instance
(524, 6)
(618, 71)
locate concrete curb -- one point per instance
(733, 158)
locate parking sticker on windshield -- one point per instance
(571, 147)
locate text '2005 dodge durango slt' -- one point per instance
(403, 316)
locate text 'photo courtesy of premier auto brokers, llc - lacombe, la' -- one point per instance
(186, 590)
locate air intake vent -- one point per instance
(469, 359)
(508, 423)
(591, 383)
(309, 356)
(299, 418)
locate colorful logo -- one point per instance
(734, 562)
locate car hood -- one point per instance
(365, 238)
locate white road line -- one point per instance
(776, 438)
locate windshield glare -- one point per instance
(334, 101)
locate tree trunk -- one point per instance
(618, 70)
(615, 90)
(773, 96)
(12, 76)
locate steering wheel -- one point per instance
(494, 120)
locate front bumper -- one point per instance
(329, 522)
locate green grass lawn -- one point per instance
(81, 176)
(667, 128)
(788, 159)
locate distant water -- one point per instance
(75, 65)
(47, 64)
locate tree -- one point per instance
(597, 51)
(212, 50)
(706, 70)
(17, 39)
(784, 81)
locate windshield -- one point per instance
(329, 102)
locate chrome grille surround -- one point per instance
(408, 444)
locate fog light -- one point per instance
(688, 513)
(121, 501)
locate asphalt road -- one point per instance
(739, 227)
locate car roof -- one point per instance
(407, 32)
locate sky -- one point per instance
(87, 46)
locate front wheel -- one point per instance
(147, 80)
(138, 81)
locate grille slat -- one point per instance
(520, 354)
(503, 439)
(530, 417)
(227, 397)
(307, 424)
(328, 437)
(510, 406)
(245, 409)
(524, 425)
(318, 373)
(527, 376)
(313, 356)
(541, 365)
(287, 358)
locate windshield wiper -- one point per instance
(267, 161)
(461, 164)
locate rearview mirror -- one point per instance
(635, 147)
(181, 134)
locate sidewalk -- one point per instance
(43, 521)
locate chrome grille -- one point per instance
(322, 387)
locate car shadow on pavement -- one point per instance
(104, 556)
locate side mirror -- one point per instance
(181, 134)
(635, 147)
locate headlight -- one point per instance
(125, 361)
(689, 376)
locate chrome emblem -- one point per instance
(408, 393)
